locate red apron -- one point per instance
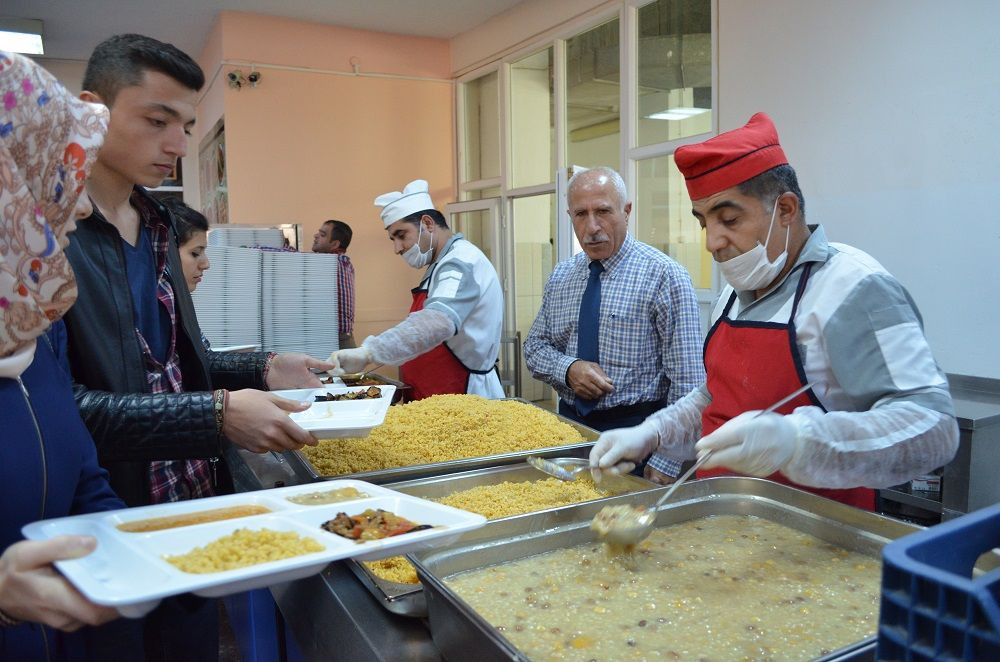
(752, 365)
(434, 372)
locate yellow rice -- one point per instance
(441, 428)
(496, 501)
(506, 499)
(244, 547)
(394, 569)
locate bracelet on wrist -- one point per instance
(267, 367)
(220, 399)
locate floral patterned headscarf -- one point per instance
(48, 142)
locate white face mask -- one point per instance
(414, 256)
(752, 270)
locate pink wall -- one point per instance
(210, 107)
(286, 41)
(305, 146)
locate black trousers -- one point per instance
(616, 417)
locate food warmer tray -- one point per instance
(305, 470)
(408, 599)
(460, 633)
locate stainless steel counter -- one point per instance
(977, 401)
(331, 614)
(968, 482)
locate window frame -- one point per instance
(627, 13)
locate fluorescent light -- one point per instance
(676, 113)
(21, 35)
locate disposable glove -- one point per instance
(751, 445)
(346, 361)
(618, 451)
(420, 332)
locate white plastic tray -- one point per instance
(128, 571)
(346, 418)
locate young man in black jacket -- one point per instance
(160, 407)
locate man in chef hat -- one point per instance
(450, 341)
(797, 310)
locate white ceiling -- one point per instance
(73, 28)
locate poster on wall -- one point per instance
(212, 176)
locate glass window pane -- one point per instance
(532, 131)
(481, 194)
(675, 70)
(534, 221)
(477, 227)
(664, 219)
(481, 142)
(592, 97)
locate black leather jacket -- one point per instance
(130, 425)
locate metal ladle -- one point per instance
(627, 529)
(358, 376)
(553, 468)
(355, 376)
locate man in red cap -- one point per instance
(797, 310)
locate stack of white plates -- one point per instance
(228, 300)
(246, 236)
(281, 302)
(299, 303)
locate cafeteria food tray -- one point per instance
(128, 570)
(408, 599)
(460, 632)
(306, 471)
(339, 418)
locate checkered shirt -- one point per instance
(650, 334)
(345, 294)
(171, 480)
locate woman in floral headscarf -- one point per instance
(48, 463)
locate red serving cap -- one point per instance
(730, 158)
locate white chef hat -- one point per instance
(396, 205)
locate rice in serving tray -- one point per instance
(442, 428)
(496, 501)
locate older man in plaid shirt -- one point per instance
(618, 334)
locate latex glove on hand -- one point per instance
(347, 361)
(617, 451)
(752, 445)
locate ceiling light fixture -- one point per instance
(21, 35)
(677, 113)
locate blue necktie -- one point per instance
(589, 328)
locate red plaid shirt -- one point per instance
(345, 294)
(171, 480)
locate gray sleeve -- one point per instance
(878, 352)
(453, 290)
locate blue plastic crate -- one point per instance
(931, 608)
